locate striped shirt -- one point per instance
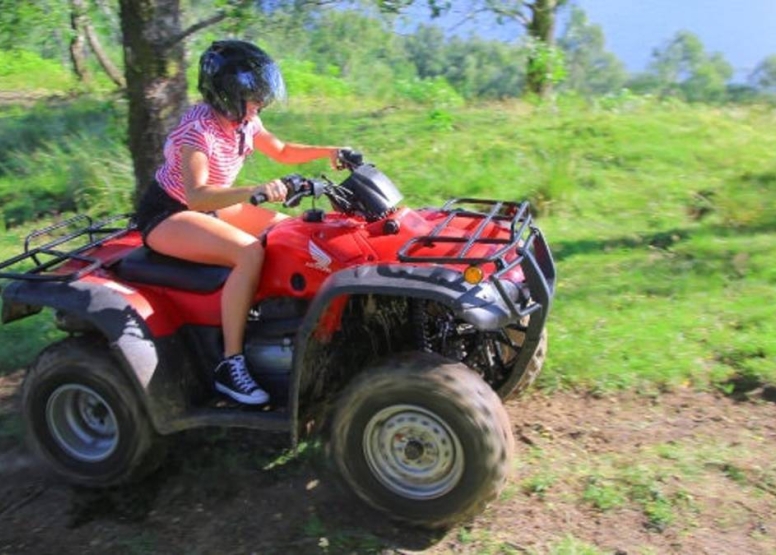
(199, 128)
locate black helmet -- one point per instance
(232, 72)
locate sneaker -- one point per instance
(232, 379)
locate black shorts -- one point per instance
(155, 206)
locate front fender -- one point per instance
(482, 305)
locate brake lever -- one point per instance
(294, 200)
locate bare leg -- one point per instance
(251, 219)
(201, 238)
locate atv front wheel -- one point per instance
(84, 418)
(423, 439)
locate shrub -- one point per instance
(435, 92)
(302, 79)
(24, 71)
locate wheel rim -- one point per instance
(413, 452)
(82, 423)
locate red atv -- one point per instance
(402, 330)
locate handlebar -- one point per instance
(300, 187)
(297, 186)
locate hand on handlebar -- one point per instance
(273, 191)
(347, 159)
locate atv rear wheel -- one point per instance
(84, 418)
(423, 439)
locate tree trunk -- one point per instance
(541, 28)
(105, 62)
(77, 45)
(155, 72)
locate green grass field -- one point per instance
(662, 216)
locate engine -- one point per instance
(270, 361)
(269, 343)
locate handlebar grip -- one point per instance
(258, 198)
(349, 158)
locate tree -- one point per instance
(590, 69)
(77, 41)
(426, 50)
(155, 70)
(484, 69)
(475, 67)
(682, 67)
(537, 17)
(763, 77)
(82, 27)
(155, 66)
(36, 26)
(359, 47)
(545, 64)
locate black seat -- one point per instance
(146, 266)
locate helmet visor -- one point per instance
(262, 85)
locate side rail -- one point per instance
(525, 246)
(49, 248)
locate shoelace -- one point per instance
(242, 379)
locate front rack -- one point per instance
(59, 249)
(516, 215)
(525, 243)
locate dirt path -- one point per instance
(685, 472)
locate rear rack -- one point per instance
(60, 249)
(525, 240)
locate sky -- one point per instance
(743, 31)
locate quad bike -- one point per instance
(397, 331)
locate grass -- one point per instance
(661, 216)
(63, 157)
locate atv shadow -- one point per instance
(254, 494)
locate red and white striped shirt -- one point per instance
(199, 128)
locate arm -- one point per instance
(291, 153)
(203, 197)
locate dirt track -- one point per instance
(214, 494)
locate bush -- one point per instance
(24, 71)
(302, 80)
(435, 92)
(742, 202)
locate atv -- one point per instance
(395, 332)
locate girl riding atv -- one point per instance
(190, 211)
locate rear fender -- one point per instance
(119, 313)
